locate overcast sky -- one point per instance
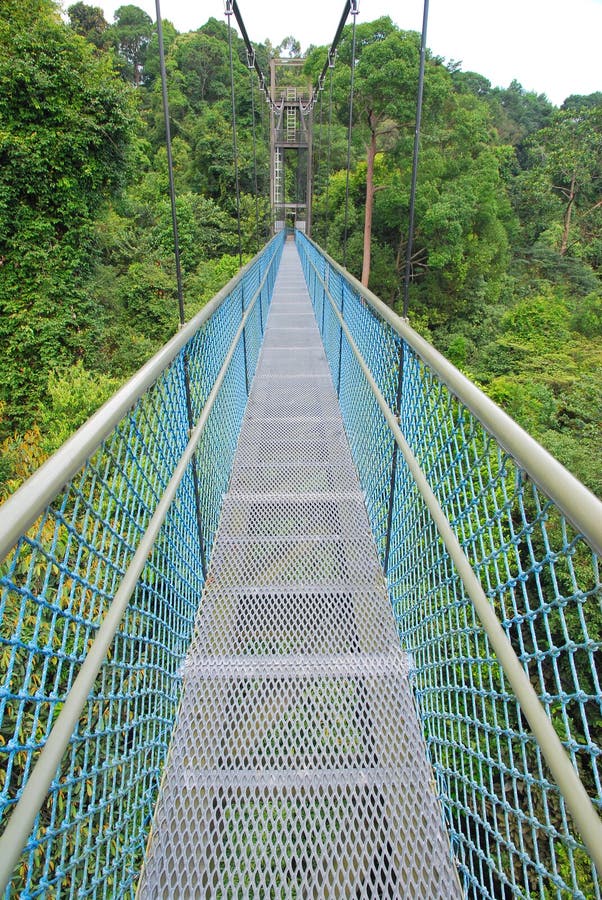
(553, 47)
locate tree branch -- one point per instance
(592, 209)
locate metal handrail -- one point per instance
(578, 503)
(571, 787)
(20, 511)
(18, 829)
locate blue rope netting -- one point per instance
(57, 584)
(510, 830)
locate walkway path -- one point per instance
(297, 767)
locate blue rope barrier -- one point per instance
(508, 822)
(57, 584)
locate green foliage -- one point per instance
(208, 279)
(504, 279)
(543, 369)
(508, 237)
(89, 22)
(73, 395)
(558, 194)
(587, 317)
(65, 127)
(131, 35)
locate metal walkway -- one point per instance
(297, 767)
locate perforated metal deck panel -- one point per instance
(297, 766)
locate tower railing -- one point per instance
(491, 552)
(103, 554)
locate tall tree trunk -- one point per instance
(369, 201)
(567, 217)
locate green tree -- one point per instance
(559, 194)
(581, 102)
(203, 67)
(289, 46)
(471, 83)
(381, 108)
(89, 22)
(131, 35)
(65, 123)
(519, 113)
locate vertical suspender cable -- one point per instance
(328, 158)
(172, 189)
(255, 188)
(251, 61)
(354, 12)
(174, 221)
(409, 248)
(265, 174)
(229, 12)
(299, 190)
(320, 153)
(406, 287)
(234, 147)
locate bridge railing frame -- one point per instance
(66, 502)
(339, 298)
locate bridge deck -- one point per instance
(297, 767)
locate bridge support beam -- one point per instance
(291, 123)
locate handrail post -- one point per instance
(324, 289)
(244, 336)
(341, 337)
(397, 413)
(194, 468)
(260, 306)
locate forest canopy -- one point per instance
(508, 244)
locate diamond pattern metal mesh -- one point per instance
(510, 829)
(57, 584)
(297, 767)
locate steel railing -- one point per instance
(490, 548)
(101, 579)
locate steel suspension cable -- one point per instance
(351, 6)
(232, 8)
(354, 12)
(172, 187)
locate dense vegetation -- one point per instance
(509, 215)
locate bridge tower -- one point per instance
(290, 146)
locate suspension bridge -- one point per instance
(299, 612)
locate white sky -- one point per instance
(553, 47)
